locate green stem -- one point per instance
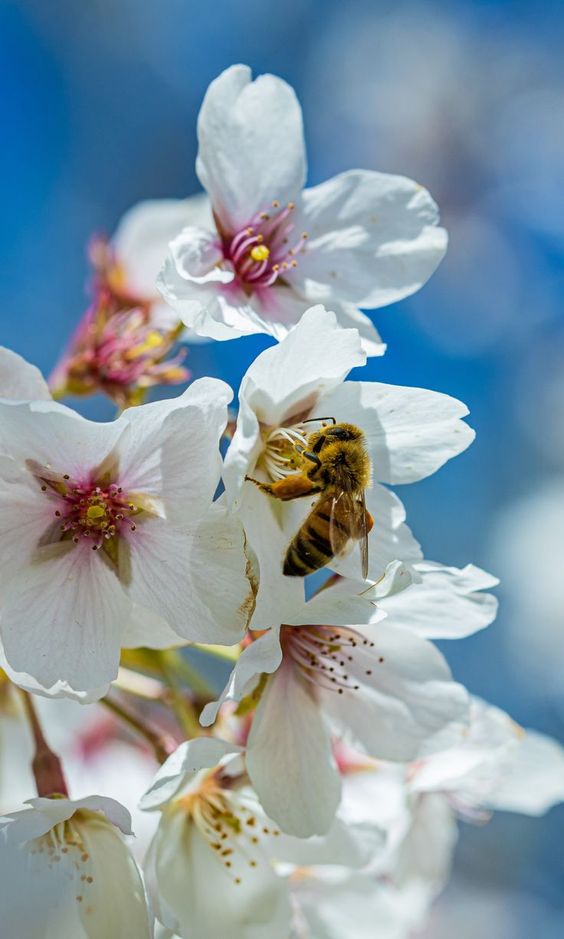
(173, 667)
(161, 745)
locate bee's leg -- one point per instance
(309, 456)
(369, 523)
(291, 487)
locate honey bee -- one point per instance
(335, 464)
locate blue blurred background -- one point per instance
(98, 109)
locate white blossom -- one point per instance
(361, 239)
(108, 537)
(208, 870)
(68, 874)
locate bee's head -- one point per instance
(331, 434)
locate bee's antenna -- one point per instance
(315, 420)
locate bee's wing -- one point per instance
(362, 518)
(349, 522)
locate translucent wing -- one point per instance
(349, 522)
(364, 527)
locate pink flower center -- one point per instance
(87, 510)
(324, 654)
(265, 249)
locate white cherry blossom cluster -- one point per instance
(317, 795)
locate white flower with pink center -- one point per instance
(387, 688)
(361, 239)
(108, 537)
(68, 873)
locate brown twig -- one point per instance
(46, 765)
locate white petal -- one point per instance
(38, 901)
(405, 694)
(349, 316)
(171, 448)
(425, 854)
(251, 147)
(264, 655)
(214, 307)
(59, 689)
(113, 904)
(411, 432)
(19, 380)
(55, 436)
(533, 780)
(70, 899)
(187, 760)
(346, 844)
(349, 906)
(62, 620)
(144, 232)
(147, 628)
(373, 239)
(197, 581)
(448, 603)
(25, 515)
(202, 894)
(289, 758)
(294, 375)
(197, 254)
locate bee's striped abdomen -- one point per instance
(319, 539)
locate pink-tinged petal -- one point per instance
(62, 619)
(195, 580)
(410, 432)
(373, 239)
(289, 758)
(171, 448)
(19, 380)
(447, 603)
(25, 514)
(404, 694)
(142, 237)
(251, 147)
(214, 306)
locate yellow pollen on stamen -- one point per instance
(95, 512)
(260, 253)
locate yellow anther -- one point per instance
(260, 253)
